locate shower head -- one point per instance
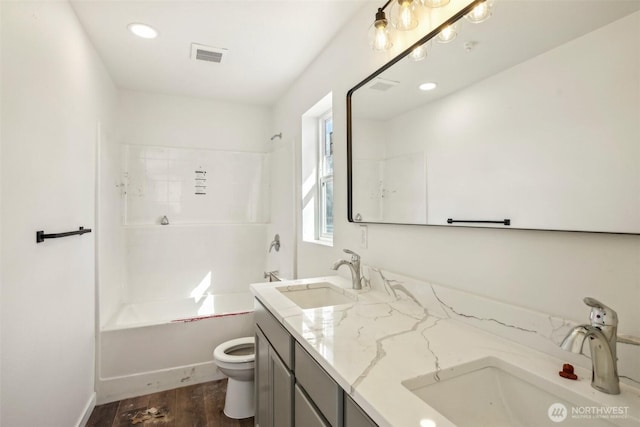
(277, 135)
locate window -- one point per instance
(317, 173)
(325, 178)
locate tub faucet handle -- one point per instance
(275, 243)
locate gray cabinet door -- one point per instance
(273, 387)
(306, 414)
(354, 416)
(322, 390)
(264, 417)
(282, 392)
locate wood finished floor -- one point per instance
(198, 405)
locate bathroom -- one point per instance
(69, 126)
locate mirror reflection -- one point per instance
(532, 116)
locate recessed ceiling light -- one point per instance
(143, 30)
(428, 86)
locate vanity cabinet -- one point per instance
(273, 376)
(292, 389)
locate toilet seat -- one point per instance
(221, 352)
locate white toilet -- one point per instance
(235, 359)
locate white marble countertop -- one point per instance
(388, 336)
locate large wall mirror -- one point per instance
(534, 123)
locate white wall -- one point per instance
(547, 271)
(55, 91)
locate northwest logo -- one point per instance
(557, 412)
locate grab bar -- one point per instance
(504, 221)
(40, 236)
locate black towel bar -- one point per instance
(40, 236)
(504, 221)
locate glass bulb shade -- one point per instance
(480, 13)
(435, 3)
(447, 34)
(380, 36)
(419, 53)
(403, 15)
(143, 30)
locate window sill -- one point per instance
(328, 243)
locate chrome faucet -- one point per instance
(602, 334)
(354, 266)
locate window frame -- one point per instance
(322, 179)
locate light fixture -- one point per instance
(434, 3)
(379, 35)
(428, 86)
(403, 15)
(143, 30)
(419, 53)
(481, 12)
(448, 33)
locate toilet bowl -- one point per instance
(236, 359)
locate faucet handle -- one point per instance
(354, 256)
(601, 315)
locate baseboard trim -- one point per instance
(88, 409)
(117, 388)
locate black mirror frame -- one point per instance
(402, 55)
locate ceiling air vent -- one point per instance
(201, 52)
(382, 84)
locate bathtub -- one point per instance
(155, 346)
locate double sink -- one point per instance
(485, 392)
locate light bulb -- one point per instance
(382, 39)
(480, 13)
(419, 53)
(379, 35)
(447, 34)
(403, 15)
(435, 3)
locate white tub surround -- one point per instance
(400, 329)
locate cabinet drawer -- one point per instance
(321, 388)
(305, 413)
(354, 416)
(275, 333)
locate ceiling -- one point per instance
(269, 43)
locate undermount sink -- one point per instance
(491, 392)
(316, 295)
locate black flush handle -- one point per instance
(40, 236)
